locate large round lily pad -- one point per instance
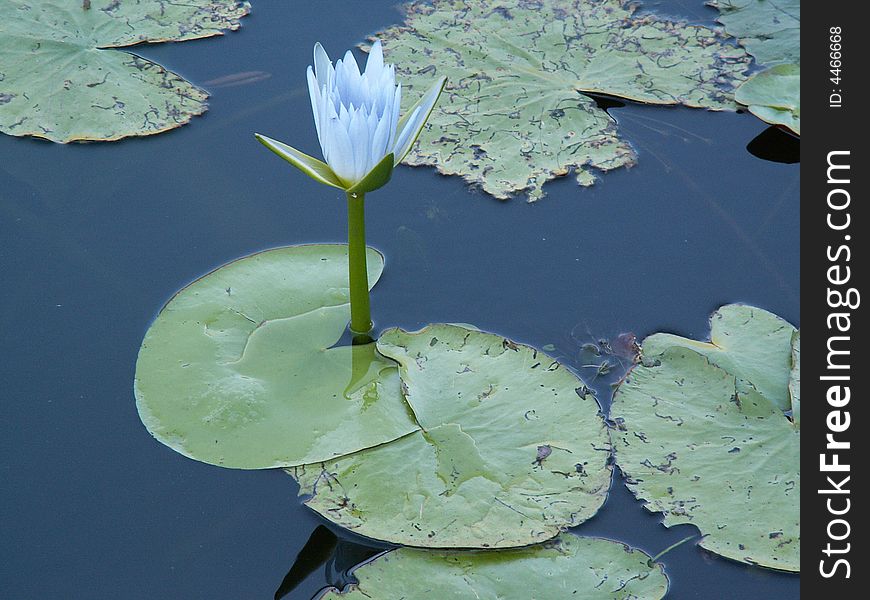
(514, 115)
(704, 435)
(512, 449)
(61, 78)
(237, 369)
(566, 567)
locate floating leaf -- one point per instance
(62, 80)
(770, 30)
(703, 436)
(774, 96)
(748, 342)
(513, 116)
(512, 449)
(566, 567)
(237, 369)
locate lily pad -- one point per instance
(703, 435)
(63, 80)
(512, 449)
(238, 370)
(750, 343)
(566, 567)
(770, 30)
(514, 113)
(774, 96)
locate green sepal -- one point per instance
(318, 170)
(427, 103)
(376, 178)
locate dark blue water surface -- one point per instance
(94, 239)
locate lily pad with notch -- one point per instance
(770, 30)
(509, 452)
(64, 79)
(706, 434)
(238, 369)
(515, 112)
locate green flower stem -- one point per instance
(360, 310)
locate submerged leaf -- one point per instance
(514, 115)
(238, 370)
(62, 80)
(475, 475)
(704, 436)
(566, 567)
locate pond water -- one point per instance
(95, 238)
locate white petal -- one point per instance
(322, 65)
(330, 120)
(340, 151)
(379, 139)
(375, 61)
(358, 133)
(314, 94)
(371, 128)
(350, 64)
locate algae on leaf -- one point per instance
(511, 449)
(566, 567)
(63, 79)
(238, 369)
(514, 113)
(708, 433)
(752, 344)
(770, 30)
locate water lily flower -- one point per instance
(357, 120)
(362, 139)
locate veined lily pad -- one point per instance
(566, 567)
(512, 449)
(774, 96)
(237, 369)
(62, 80)
(703, 435)
(770, 30)
(513, 114)
(752, 344)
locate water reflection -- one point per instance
(337, 557)
(605, 102)
(776, 145)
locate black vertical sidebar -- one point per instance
(834, 221)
